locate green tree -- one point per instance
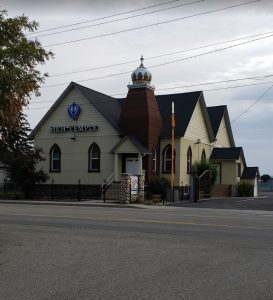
(20, 157)
(202, 166)
(19, 58)
(265, 178)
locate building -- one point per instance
(89, 137)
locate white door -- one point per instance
(132, 165)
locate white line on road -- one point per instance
(144, 221)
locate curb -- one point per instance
(75, 204)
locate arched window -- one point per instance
(94, 158)
(55, 159)
(167, 159)
(203, 156)
(189, 160)
(154, 160)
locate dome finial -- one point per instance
(141, 60)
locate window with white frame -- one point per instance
(55, 159)
(94, 158)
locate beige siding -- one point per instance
(163, 144)
(196, 156)
(74, 162)
(228, 172)
(181, 149)
(222, 138)
(197, 128)
(127, 147)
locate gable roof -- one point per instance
(131, 138)
(250, 173)
(216, 114)
(232, 153)
(108, 106)
(184, 104)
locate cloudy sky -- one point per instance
(185, 43)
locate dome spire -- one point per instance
(141, 61)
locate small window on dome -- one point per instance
(139, 76)
(146, 76)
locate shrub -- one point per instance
(159, 185)
(245, 190)
(200, 167)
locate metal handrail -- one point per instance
(107, 182)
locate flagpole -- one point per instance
(172, 145)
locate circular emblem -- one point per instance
(74, 111)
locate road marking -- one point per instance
(145, 221)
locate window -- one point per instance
(154, 160)
(55, 159)
(94, 158)
(167, 159)
(189, 160)
(203, 156)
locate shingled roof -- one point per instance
(250, 173)
(184, 104)
(216, 114)
(232, 153)
(108, 106)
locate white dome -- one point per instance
(141, 74)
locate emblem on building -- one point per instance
(74, 111)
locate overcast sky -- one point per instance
(254, 58)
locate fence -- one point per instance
(10, 191)
(78, 192)
(266, 186)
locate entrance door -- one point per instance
(132, 165)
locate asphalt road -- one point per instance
(59, 252)
(263, 202)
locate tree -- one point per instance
(265, 178)
(19, 57)
(20, 157)
(202, 166)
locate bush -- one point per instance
(159, 185)
(200, 167)
(245, 190)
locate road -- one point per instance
(62, 252)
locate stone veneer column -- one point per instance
(125, 188)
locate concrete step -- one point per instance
(221, 190)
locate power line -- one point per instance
(161, 55)
(246, 110)
(253, 104)
(120, 19)
(208, 90)
(105, 17)
(261, 77)
(164, 64)
(154, 24)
